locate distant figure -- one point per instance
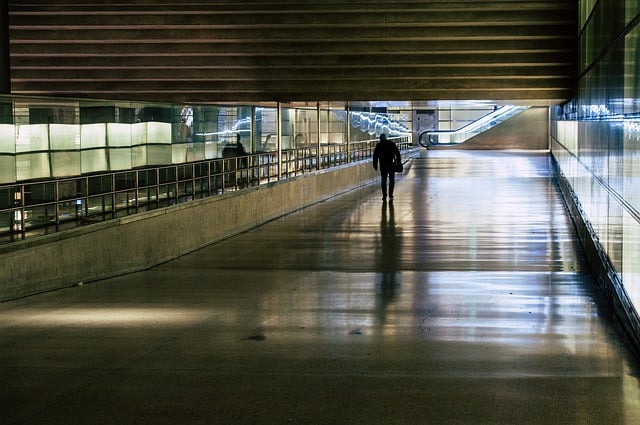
(241, 152)
(240, 146)
(388, 155)
(186, 123)
(234, 149)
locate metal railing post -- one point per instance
(318, 152)
(348, 131)
(279, 138)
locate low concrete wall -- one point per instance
(146, 239)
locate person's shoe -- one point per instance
(391, 198)
(384, 199)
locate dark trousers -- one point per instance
(390, 176)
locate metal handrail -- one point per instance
(450, 137)
(33, 208)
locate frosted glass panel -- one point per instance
(178, 153)
(119, 134)
(7, 168)
(630, 155)
(158, 132)
(64, 164)
(631, 259)
(7, 138)
(93, 136)
(64, 136)
(158, 155)
(94, 160)
(139, 156)
(120, 159)
(32, 166)
(211, 150)
(139, 134)
(195, 152)
(568, 134)
(32, 137)
(182, 152)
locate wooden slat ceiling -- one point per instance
(250, 51)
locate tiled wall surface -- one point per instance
(596, 141)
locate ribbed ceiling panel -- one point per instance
(211, 51)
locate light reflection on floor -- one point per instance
(96, 317)
(464, 302)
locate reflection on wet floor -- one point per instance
(464, 301)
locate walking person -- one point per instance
(386, 154)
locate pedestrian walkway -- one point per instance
(466, 301)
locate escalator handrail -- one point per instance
(496, 116)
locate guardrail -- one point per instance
(39, 207)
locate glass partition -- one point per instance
(265, 131)
(66, 162)
(56, 138)
(596, 137)
(7, 153)
(600, 161)
(333, 135)
(299, 138)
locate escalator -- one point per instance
(452, 137)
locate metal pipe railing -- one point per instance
(40, 207)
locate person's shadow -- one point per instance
(388, 261)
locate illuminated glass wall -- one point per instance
(66, 163)
(596, 136)
(45, 138)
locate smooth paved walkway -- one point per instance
(466, 301)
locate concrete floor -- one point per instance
(466, 301)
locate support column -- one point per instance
(319, 145)
(347, 122)
(5, 75)
(279, 139)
